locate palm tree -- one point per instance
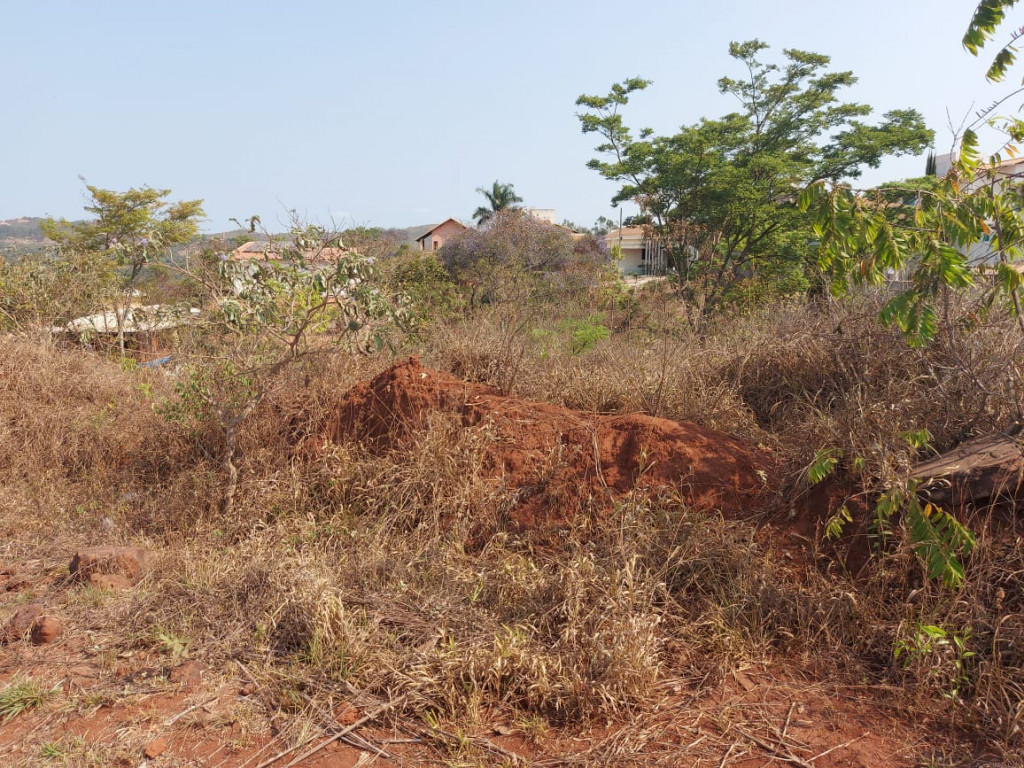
(502, 197)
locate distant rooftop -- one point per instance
(272, 249)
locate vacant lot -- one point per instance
(512, 549)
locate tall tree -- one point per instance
(500, 197)
(128, 231)
(721, 194)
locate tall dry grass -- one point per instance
(340, 568)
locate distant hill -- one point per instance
(21, 236)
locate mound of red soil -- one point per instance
(560, 460)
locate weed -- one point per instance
(344, 566)
(943, 656)
(21, 696)
(170, 642)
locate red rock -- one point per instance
(130, 562)
(21, 622)
(346, 714)
(17, 583)
(46, 630)
(189, 674)
(112, 581)
(155, 748)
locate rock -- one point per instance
(46, 630)
(189, 674)
(742, 679)
(130, 562)
(155, 748)
(112, 581)
(346, 714)
(17, 583)
(21, 622)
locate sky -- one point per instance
(385, 113)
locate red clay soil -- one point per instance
(559, 460)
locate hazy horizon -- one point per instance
(392, 114)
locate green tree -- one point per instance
(128, 231)
(420, 276)
(500, 197)
(721, 194)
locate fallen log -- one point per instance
(978, 473)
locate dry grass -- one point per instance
(346, 571)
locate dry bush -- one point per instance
(341, 567)
(366, 581)
(82, 447)
(797, 377)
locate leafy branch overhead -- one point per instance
(945, 235)
(987, 17)
(938, 232)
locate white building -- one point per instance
(639, 255)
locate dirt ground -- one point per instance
(101, 705)
(109, 708)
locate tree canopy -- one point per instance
(721, 193)
(500, 197)
(131, 226)
(128, 231)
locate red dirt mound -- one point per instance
(558, 459)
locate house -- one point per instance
(639, 254)
(435, 237)
(149, 331)
(547, 216)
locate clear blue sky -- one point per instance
(393, 113)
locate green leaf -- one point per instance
(917, 438)
(970, 156)
(810, 195)
(939, 539)
(835, 524)
(823, 465)
(987, 16)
